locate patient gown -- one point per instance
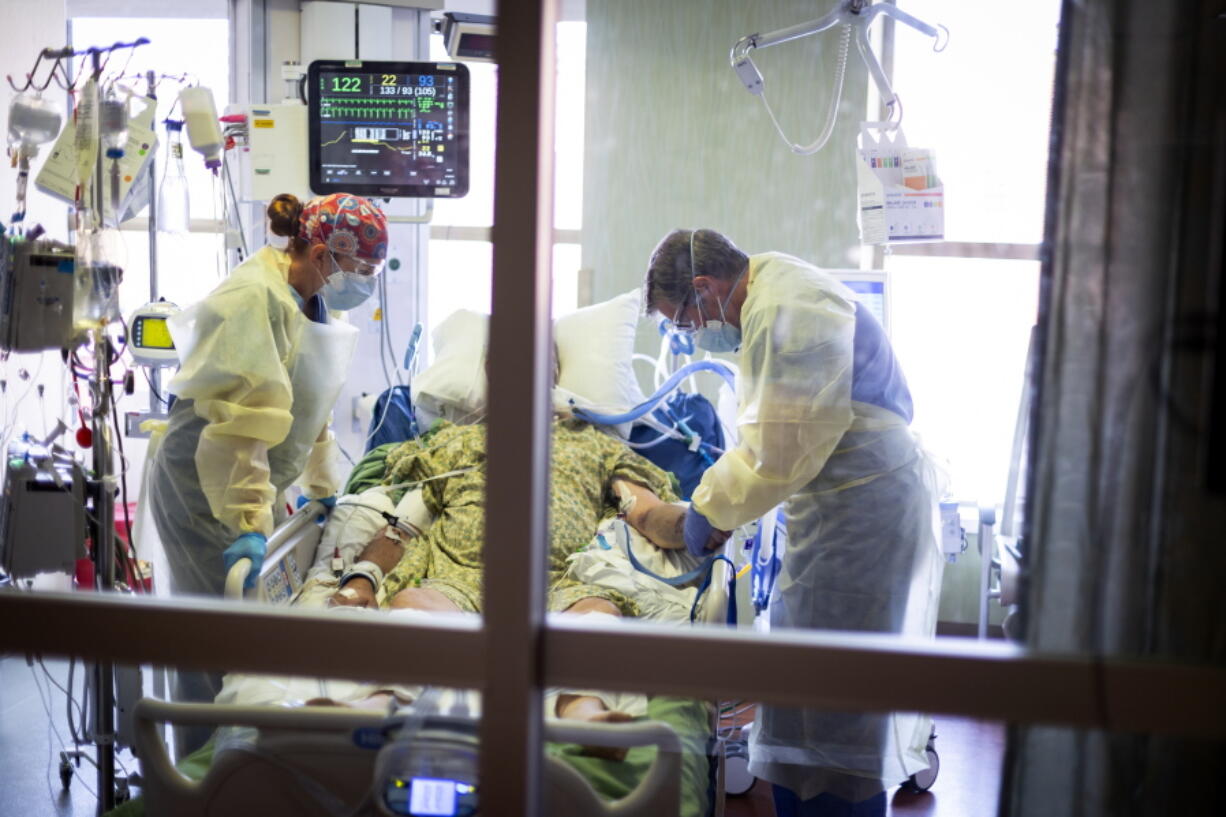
(448, 559)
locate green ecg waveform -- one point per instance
(378, 107)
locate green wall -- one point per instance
(674, 140)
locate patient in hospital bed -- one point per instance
(593, 478)
(591, 472)
(605, 501)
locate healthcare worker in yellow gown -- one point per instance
(261, 365)
(823, 414)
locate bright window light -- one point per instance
(961, 327)
(191, 265)
(459, 271)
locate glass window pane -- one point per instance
(568, 141)
(459, 278)
(566, 260)
(182, 47)
(961, 328)
(984, 105)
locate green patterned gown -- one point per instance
(449, 558)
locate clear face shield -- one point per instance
(347, 288)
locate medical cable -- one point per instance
(662, 392)
(386, 322)
(730, 615)
(228, 183)
(402, 525)
(72, 726)
(153, 389)
(832, 112)
(10, 430)
(70, 699)
(705, 571)
(130, 556)
(384, 350)
(51, 728)
(734, 709)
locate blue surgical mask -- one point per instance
(715, 336)
(343, 290)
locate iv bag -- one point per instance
(33, 121)
(99, 269)
(203, 129)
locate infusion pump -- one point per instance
(149, 337)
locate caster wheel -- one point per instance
(922, 781)
(65, 773)
(737, 779)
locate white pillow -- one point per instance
(453, 386)
(595, 347)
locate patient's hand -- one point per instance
(357, 592)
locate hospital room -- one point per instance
(438, 408)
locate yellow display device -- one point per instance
(149, 338)
(152, 333)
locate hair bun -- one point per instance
(285, 215)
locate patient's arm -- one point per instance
(656, 519)
(385, 551)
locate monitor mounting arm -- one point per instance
(858, 14)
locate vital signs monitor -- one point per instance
(384, 129)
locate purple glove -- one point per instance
(697, 532)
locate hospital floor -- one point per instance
(30, 744)
(968, 785)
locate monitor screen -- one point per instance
(871, 290)
(389, 129)
(151, 333)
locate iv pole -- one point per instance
(104, 517)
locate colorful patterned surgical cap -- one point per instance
(346, 225)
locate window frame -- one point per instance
(513, 652)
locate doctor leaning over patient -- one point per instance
(823, 421)
(261, 365)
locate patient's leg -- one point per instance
(423, 598)
(590, 707)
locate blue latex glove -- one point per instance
(697, 532)
(248, 546)
(328, 502)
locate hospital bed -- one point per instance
(304, 760)
(298, 568)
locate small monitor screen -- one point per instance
(151, 333)
(872, 295)
(389, 129)
(429, 796)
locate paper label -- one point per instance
(900, 196)
(58, 176)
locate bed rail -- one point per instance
(567, 791)
(284, 543)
